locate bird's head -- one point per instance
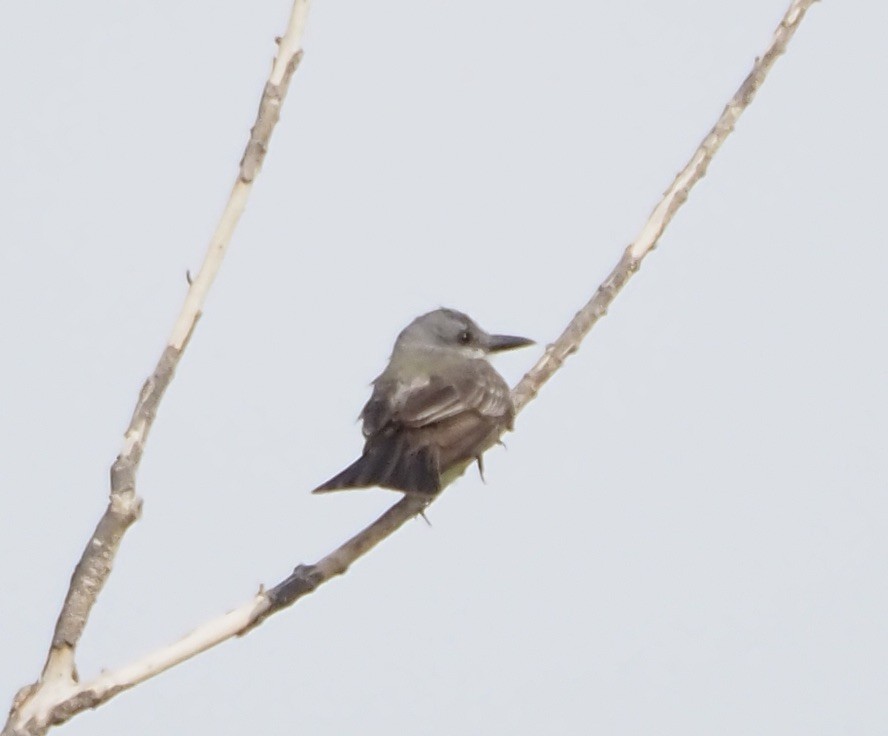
(448, 329)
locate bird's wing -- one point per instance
(425, 402)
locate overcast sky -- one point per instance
(687, 531)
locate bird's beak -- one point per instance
(499, 343)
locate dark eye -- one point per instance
(465, 337)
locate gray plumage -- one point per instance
(438, 403)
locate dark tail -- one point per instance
(389, 462)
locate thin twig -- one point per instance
(674, 197)
(32, 717)
(37, 706)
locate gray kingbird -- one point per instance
(437, 404)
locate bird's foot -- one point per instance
(480, 462)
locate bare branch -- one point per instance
(56, 696)
(57, 703)
(569, 340)
(303, 580)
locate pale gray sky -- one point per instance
(687, 532)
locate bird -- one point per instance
(437, 404)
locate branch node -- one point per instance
(303, 580)
(266, 119)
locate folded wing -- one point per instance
(416, 430)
